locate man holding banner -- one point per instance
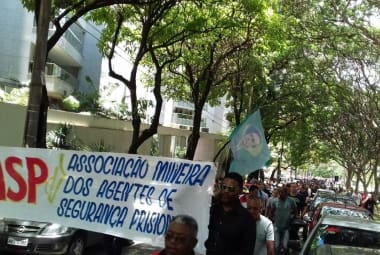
(124, 195)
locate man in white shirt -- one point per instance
(264, 228)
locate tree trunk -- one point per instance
(195, 134)
(136, 120)
(278, 178)
(349, 177)
(35, 126)
(272, 174)
(357, 182)
(152, 130)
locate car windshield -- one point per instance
(318, 200)
(339, 249)
(330, 239)
(325, 193)
(344, 211)
(345, 200)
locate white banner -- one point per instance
(130, 196)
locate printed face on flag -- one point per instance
(250, 140)
(248, 145)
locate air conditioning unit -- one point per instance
(204, 130)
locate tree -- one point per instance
(227, 28)
(148, 33)
(35, 130)
(65, 13)
(343, 50)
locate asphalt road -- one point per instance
(138, 249)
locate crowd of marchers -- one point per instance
(252, 217)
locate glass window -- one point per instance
(329, 239)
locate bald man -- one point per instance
(181, 237)
(264, 228)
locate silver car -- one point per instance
(31, 237)
(343, 235)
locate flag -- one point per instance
(248, 145)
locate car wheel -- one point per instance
(114, 245)
(77, 245)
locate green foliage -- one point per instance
(2, 95)
(28, 4)
(70, 103)
(180, 152)
(154, 148)
(310, 66)
(100, 146)
(15, 96)
(63, 137)
(89, 99)
(327, 171)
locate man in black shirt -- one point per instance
(232, 231)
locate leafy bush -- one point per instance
(70, 103)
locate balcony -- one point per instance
(185, 120)
(59, 83)
(183, 104)
(68, 50)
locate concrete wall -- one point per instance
(91, 130)
(12, 119)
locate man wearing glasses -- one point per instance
(181, 237)
(232, 230)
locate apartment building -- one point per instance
(179, 114)
(72, 64)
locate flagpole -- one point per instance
(220, 150)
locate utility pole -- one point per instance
(34, 134)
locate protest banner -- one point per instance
(130, 196)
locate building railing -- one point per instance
(184, 104)
(185, 119)
(74, 40)
(74, 35)
(59, 82)
(56, 71)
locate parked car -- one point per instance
(346, 200)
(321, 196)
(343, 235)
(324, 192)
(31, 237)
(139, 248)
(337, 209)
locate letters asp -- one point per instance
(27, 173)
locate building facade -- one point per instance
(72, 64)
(179, 114)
